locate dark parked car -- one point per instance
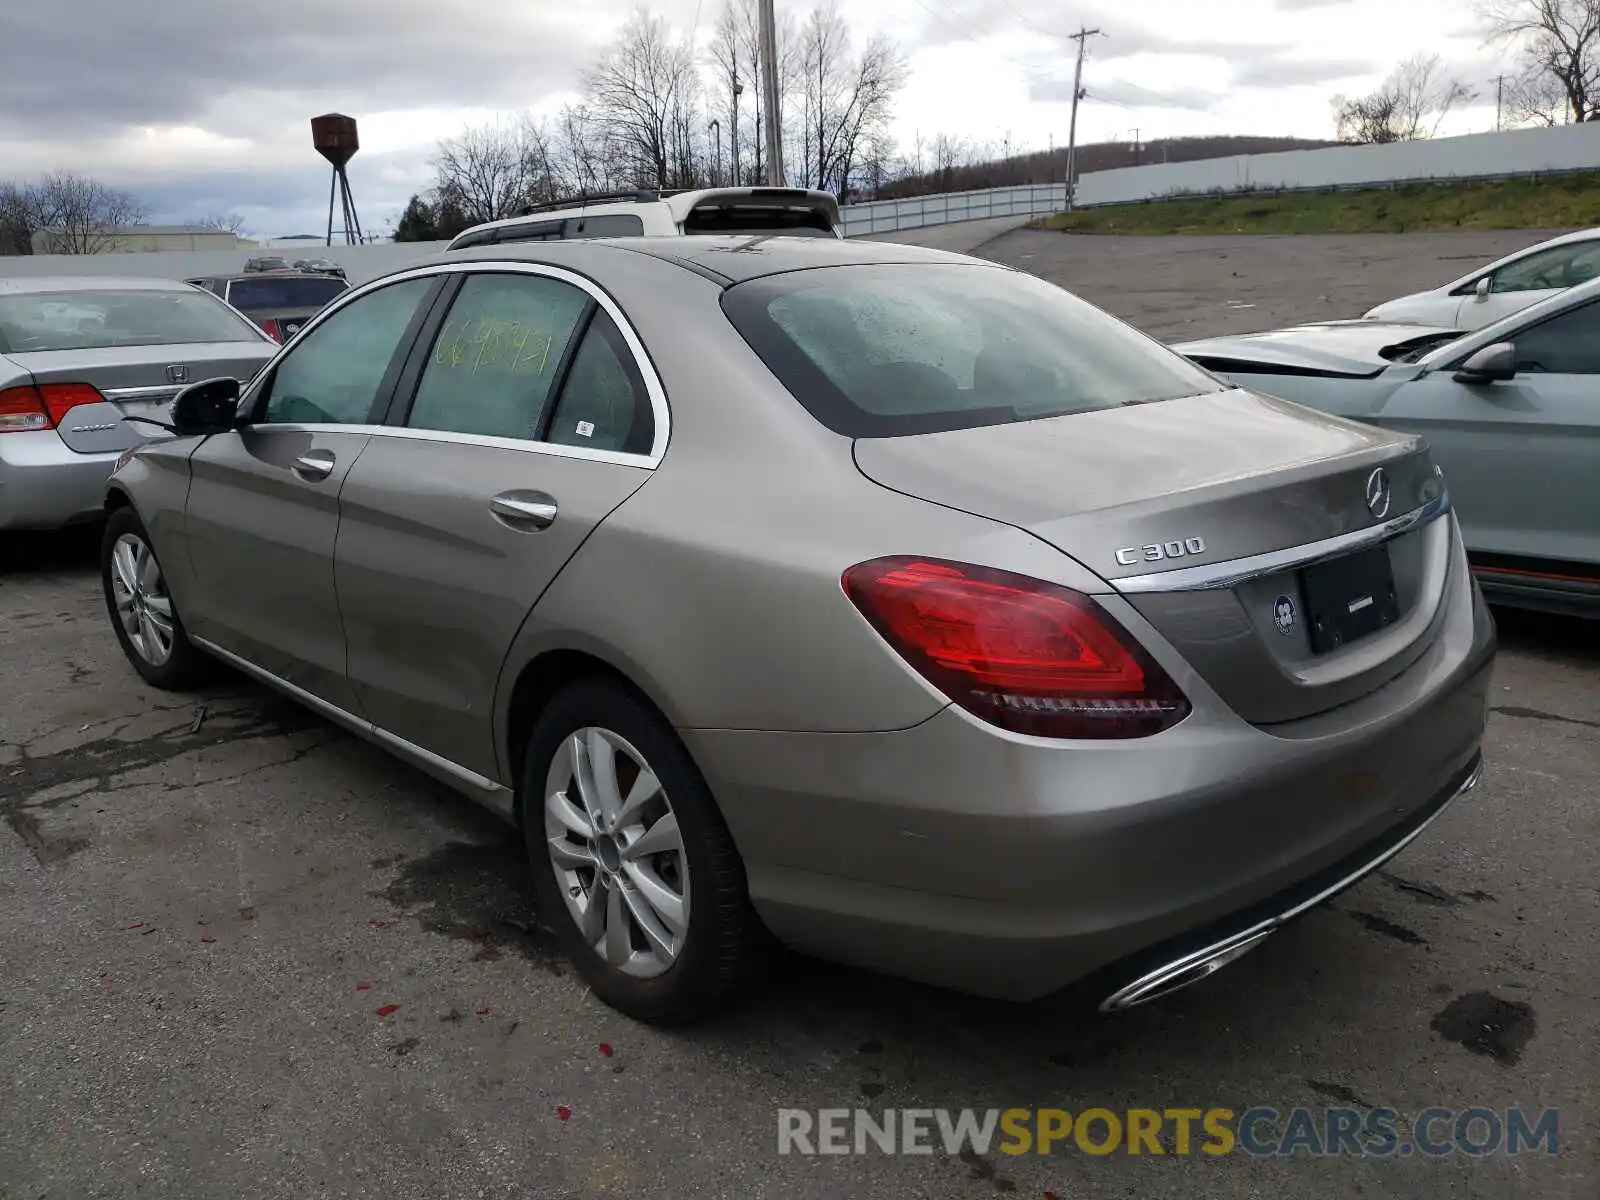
(267, 262)
(278, 301)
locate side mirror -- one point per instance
(209, 406)
(1492, 364)
(1485, 286)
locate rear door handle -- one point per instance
(314, 465)
(525, 510)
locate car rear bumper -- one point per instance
(45, 485)
(1011, 867)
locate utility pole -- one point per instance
(1082, 38)
(1499, 100)
(716, 172)
(769, 93)
(1136, 147)
(733, 134)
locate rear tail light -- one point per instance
(42, 407)
(1019, 653)
(271, 328)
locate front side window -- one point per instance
(1565, 345)
(1549, 270)
(103, 319)
(334, 375)
(881, 351)
(497, 356)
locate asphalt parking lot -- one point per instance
(245, 955)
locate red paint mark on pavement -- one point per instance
(605, 1048)
(483, 1012)
(378, 922)
(363, 987)
(388, 1010)
(563, 1112)
(1051, 1196)
(137, 925)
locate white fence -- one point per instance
(892, 216)
(1480, 155)
(1485, 155)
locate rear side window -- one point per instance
(95, 320)
(604, 405)
(497, 356)
(882, 351)
(254, 294)
(612, 225)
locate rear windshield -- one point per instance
(91, 320)
(254, 294)
(751, 218)
(882, 351)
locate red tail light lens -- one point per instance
(42, 407)
(271, 328)
(1020, 653)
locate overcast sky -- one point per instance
(201, 106)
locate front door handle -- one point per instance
(314, 465)
(525, 510)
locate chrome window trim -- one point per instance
(525, 446)
(652, 382)
(1238, 570)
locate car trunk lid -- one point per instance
(136, 381)
(1164, 500)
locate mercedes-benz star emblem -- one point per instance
(1378, 494)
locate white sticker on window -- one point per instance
(585, 428)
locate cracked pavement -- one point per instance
(245, 955)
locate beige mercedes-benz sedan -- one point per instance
(887, 604)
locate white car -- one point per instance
(1504, 287)
(792, 212)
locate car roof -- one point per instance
(15, 285)
(677, 204)
(729, 258)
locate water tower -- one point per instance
(334, 136)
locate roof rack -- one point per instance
(637, 196)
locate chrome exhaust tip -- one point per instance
(1182, 972)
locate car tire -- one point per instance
(134, 584)
(651, 972)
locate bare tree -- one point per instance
(1408, 106)
(948, 154)
(16, 220)
(844, 98)
(640, 92)
(77, 215)
(222, 223)
(495, 170)
(1559, 41)
(1535, 97)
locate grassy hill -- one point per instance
(1555, 202)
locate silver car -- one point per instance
(1511, 412)
(897, 605)
(77, 355)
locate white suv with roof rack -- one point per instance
(789, 211)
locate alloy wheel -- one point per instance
(617, 852)
(142, 603)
